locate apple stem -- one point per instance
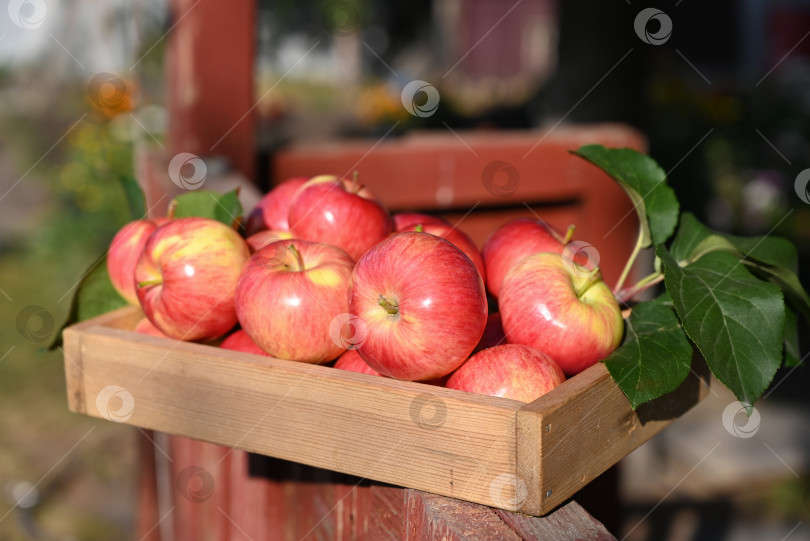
(569, 234)
(147, 283)
(298, 258)
(644, 284)
(419, 228)
(391, 308)
(630, 262)
(594, 278)
(553, 232)
(356, 182)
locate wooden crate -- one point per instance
(494, 451)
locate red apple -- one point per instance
(186, 276)
(272, 211)
(125, 250)
(289, 293)
(254, 222)
(352, 362)
(493, 333)
(437, 382)
(339, 212)
(423, 304)
(513, 241)
(456, 237)
(240, 341)
(404, 220)
(510, 370)
(549, 304)
(261, 239)
(144, 326)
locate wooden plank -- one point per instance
(499, 452)
(435, 170)
(255, 505)
(587, 427)
(415, 515)
(125, 317)
(74, 374)
(209, 72)
(436, 439)
(289, 501)
(214, 461)
(384, 508)
(481, 223)
(435, 517)
(568, 523)
(147, 515)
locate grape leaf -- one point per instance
(645, 183)
(654, 357)
(95, 295)
(735, 319)
(225, 208)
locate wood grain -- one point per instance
(587, 427)
(568, 523)
(123, 318)
(209, 70)
(405, 433)
(488, 450)
(435, 517)
(287, 501)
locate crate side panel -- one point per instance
(589, 425)
(398, 432)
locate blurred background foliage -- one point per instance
(60, 160)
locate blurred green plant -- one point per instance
(79, 204)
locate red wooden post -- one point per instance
(289, 501)
(209, 73)
(148, 516)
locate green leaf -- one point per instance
(135, 197)
(95, 295)
(654, 357)
(792, 353)
(787, 280)
(645, 183)
(771, 250)
(735, 319)
(225, 208)
(690, 233)
(694, 239)
(769, 258)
